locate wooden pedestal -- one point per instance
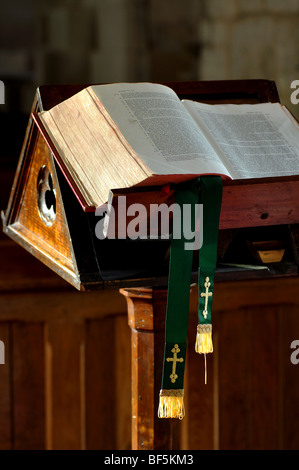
(146, 316)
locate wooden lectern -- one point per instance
(44, 216)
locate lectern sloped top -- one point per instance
(46, 218)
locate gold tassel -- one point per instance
(171, 404)
(204, 343)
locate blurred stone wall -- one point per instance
(73, 41)
(251, 39)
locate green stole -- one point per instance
(208, 191)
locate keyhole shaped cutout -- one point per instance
(46, 196)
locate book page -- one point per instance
(259, 140)
(159, 129)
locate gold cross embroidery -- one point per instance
(206, 294)
(175, 350)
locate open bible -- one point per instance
(123, 135)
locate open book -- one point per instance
(121, 135)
